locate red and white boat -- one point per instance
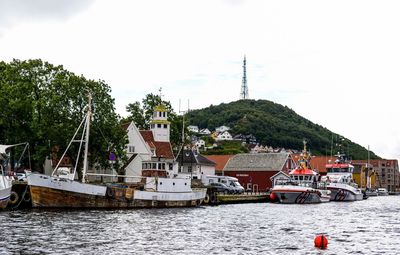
(303, 187)
(339, 180)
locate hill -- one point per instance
(275, 125)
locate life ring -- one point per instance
(109, 192)
(206, 199)
(14, 197)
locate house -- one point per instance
(220, 161)
(192, 165)
(149, 151)
(200, 143)
(222, 129)
(194, 129)
(249, 139)
(280, 176)
(255, 170)
(205, 131)
(223, 136)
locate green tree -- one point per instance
(43, 104)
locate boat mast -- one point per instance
(85, 157)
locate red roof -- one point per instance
(220, 161)
(163, 149)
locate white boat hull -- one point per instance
(5, 191)
(288, 194)
(344, 192)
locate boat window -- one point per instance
(160, 183)
(296, 178)
(300, 177)
(173, 183)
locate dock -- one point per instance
(243, 198)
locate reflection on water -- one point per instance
(371, 226)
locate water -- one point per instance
(371, 226)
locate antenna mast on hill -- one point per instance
(244, 93)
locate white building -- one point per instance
(205, 131)
(193, 165)
(224, 136)
(194, 129)
(222, 129)
(200, 143)
(149, 149)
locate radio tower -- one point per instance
(244, 93)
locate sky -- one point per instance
(335, 63)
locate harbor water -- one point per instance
(370, 226)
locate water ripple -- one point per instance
(366, 227)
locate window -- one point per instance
(165, 126)
(170, 166)
(164, 114)
(131, 149)
(154, 166)
(160, 114)
(189, 169)
(159, 125)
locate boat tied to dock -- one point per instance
(302, 187)
(155, 190)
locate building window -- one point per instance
(189, 169)
(163, 166)
(170, 166)
(159, 125)
(131, 149)
(165, 126)
(154, 166)
(160, 114)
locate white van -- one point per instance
(229, 181)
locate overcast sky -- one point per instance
(336, 63)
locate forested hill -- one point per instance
(275, 125)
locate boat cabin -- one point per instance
(339, 168)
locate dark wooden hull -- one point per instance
(43, 197)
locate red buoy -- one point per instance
(321, 242)
(273, 197)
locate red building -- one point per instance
(255, 170)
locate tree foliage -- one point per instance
(275, 125)
(43, 104)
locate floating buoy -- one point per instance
(321, 242)
(273, 197)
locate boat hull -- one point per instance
(53, 192)
(4, 197)
(300, 196)
(43, 197)
(5, 191)
(343, 194)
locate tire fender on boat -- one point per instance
(206, 199)
(109, 192)
(14, 197)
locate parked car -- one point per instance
(237, 188)
(220, 187)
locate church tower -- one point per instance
(160, 126)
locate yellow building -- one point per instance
(364, 175)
